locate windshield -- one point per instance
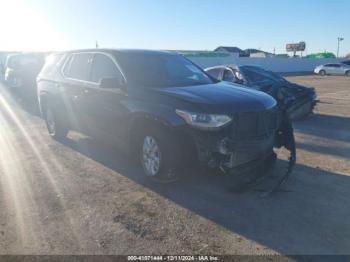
(161, 70)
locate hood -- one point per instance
(222, 98)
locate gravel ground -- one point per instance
(83, 197)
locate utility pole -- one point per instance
(339, 40)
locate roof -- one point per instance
(232, 66)
(113, 50)
(216, 67)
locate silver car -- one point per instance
(333, 69)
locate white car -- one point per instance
(333, 69)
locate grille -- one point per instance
(257, 124)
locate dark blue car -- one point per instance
(299, 101)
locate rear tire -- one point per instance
(322, 73)
(347, 73)
(158, 153)
(55, 125)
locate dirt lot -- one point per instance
(81, 197)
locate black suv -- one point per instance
(158, 106)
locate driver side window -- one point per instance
(103, 67)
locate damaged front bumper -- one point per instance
(229, 155)
(245, 144)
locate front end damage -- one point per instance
(248, 140)
(247, 144)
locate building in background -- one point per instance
(250, 52)
(229, 49)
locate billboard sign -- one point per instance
(296, 47)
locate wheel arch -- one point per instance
(141, 121)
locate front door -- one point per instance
(105, 106)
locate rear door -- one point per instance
(76, 72)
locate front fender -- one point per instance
(161, 113)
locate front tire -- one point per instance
(55, 126)
(158, 154)
(347, 73)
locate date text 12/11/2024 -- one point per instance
(173, 258)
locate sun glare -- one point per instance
(24, 28)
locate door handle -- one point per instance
(86, 91)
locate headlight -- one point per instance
(204, 121)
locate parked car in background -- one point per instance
(298, 100)
(347, 62)
(21, 71)
(333, 69)
(158, 106)
(3, 58)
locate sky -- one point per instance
(174, 24)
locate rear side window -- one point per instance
(78, 66)
(332, 65)
(104, 67)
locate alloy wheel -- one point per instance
(151, 156)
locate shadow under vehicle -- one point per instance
(160, 107)
(298, 100)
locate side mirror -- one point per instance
(112, 83)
